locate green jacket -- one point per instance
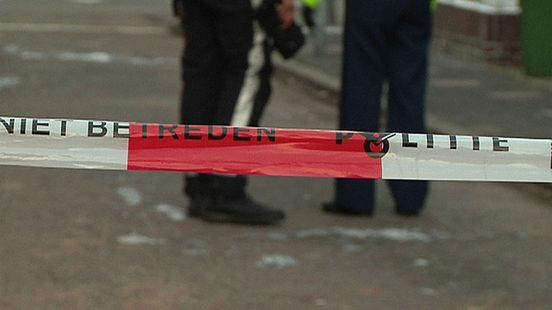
(311, 3)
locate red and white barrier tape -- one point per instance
(86, 144)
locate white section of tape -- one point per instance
(466, 158)
(62, 143)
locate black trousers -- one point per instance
(384, 40)
(226, 72)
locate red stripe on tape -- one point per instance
(252, 151)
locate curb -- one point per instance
(309, 74)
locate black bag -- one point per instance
(286, 41)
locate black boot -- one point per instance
(198, 204)
(199, 189)
(242, 210)
(233, 205)
(407, 212)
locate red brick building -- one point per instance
(485, 29)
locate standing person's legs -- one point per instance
(200, 74)
(235, 33)
(201, 65)
(407, 88)
(238, 86)
(364, 69)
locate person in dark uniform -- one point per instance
(385, 40)
(226, 71)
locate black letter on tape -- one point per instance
(499, 148)
(406, 141)
(270, 133)
(341, 136)
(63, 128)
(376, 145)
(237, 136)
(144, 131)
(23, 126)
(92, 126)
(453, 143)
(40, 132)
(213, 136)
(188, 130)
(117, 134)
(10, 127)
(171, 129)
(476, 144)
(429, 138)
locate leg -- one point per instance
(239, 85)
(407, 87)
(235, 33)
(200, 66)
(363, 74)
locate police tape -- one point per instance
(90, 144)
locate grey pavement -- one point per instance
(76, 239)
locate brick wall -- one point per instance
(491, 35)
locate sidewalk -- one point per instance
(464, 96)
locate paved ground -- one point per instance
(112, 240)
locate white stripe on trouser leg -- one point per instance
(251, 84)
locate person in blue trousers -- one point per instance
(385, 40)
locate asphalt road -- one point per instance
(73, 239)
